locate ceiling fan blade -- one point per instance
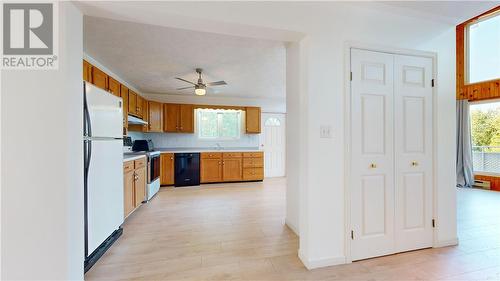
(184, 88)
(218, 83)
(185, 80)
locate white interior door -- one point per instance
(413, 147)
(273, 143)
(372, 156)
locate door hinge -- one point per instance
(432, 83)
(433, 223)
(350, 76)
(352, 234)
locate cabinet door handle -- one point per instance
(373, 165)
(414, 163)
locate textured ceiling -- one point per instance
(150, 56)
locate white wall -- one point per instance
(327, 27)
(42, 164)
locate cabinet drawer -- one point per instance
(128, 166)
(139, 163)
(253, 174)
(232, 155)
(253, 162)
(211, 155)
(253, 154)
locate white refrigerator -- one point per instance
(103, 171)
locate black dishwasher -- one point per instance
(187, 169)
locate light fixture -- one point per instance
(200, 90)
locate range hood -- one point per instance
(136, 121)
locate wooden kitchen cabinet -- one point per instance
(99, 78)
(128, 187)
(232, 166)
(124, 95)
(178, 118)
(155, 116)
(132, 103)
(140, 186)
(211, 167)
(139, 106)
(87, 70)
(253, 166)
(252, 120)
(186, 118)
(134, 184)
(114, 86)
(167, 169)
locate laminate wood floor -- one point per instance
(237, 232)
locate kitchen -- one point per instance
(162, 141)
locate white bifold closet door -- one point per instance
(391, 153)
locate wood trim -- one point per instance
(495, 181)
(208, 106)
(472, 91)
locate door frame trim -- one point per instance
(347, 131)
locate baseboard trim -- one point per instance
(446, 243)
(321, 262)
(292, 227)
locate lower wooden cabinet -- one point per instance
(134, 184)
(231, 167)
(211, 167)
(253, 166)
(167, 169)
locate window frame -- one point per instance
(219, 112)
(474, 171)
(466, 54)
(472, 91)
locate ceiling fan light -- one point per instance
(200, 91)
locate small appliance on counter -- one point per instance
(127, 144)
(187, 169)
(153, 167)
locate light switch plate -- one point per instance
(325, 132)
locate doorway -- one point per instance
(273, 143)
(391, 155)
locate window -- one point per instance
(485, 132)
(219, 124)
(483, 49)
(272, 121)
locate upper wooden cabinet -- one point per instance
(140, 106)
(155, 117)
(252, 120)
(167, 169)
(132, 103)
(87, 71)
(124, 95)
(178, 118)
(99, 78)
(114, 86)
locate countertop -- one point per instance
(129, 156)
(208, 149)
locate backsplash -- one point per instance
(173, 140)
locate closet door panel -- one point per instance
(413, 152)
(372, 158)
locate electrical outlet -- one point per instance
(325, 132)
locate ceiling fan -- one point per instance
(200, 88)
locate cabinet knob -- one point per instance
(171, 158)
(414, 163)
(373, 165)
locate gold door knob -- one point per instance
(373, 165)
(414, 163)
